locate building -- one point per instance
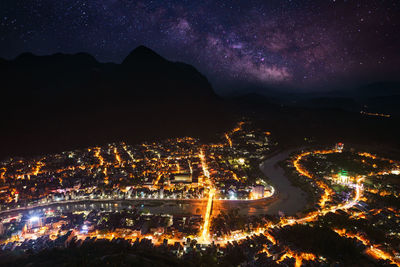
(339, 147)
(257, 191)
(34, 222)
(182, 178)
(342, 178)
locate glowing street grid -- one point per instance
(186, 170)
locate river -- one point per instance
(288, 199)
(291, 199)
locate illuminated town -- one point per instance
(200, 133)
(191, 199)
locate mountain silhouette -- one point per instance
(73, 79)
(143, 55)
(62, 101)
(155, 76)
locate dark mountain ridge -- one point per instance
(142, 73)
(379, 97)
(62, 101)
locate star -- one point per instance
(266, 43)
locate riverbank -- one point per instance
(291, 199)
(287, 198)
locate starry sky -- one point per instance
(237, 44)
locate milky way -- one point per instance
(296, 44)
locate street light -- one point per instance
(34, 219)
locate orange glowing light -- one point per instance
(372, 249)
(229, 140)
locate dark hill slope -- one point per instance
(57, 102)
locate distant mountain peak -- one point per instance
(57, 59)
(143, 54)
(143, 73)
(25, 55)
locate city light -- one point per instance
(211, 175)
(34, 219)
(84, 229)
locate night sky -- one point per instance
(287, 44)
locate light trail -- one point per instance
(310, 216)
(2, 172)
(227, 135)
(97, 154)
(158, 179)
(270, 237)
(228, 139)
(204, 164)
(375, 114)
(207, 216)
(313, 215)
(299, 257)
(39, 165)
(327, 192)
(117, 156)
(206, 227)
(372, 250)
(234, 176)
(130, 155)
(204, 235)
(238, 128)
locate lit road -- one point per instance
(326, 196)
(205, 236)
(372, 249)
